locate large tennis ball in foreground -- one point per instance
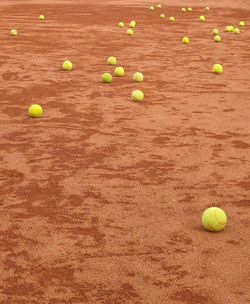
(217, 68)
(138, 77)
(215, 32)
(242, 23)
(106, 77)
(137, 95)
(121, 24)
(185, 40)
(119, 71)
(67, 65)
(13, 32)
(217, 38)
(214, 219)
(111, 60)
(130, 32)
(41, 17)
(35, 111)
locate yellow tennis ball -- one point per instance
(214, 219)
(190, 9)
(138, 77)
(171, 19)
(207, 8)
(119, 71)
(236, 30)
(106, 77)
(202, 18)
(137, 95)
(13, 32)
(162, 16)
(215, 32)
(217, 38)
(151, 8)
(130, 32)
(217, 68)
(41, 17)
(111, 60)
(67, 65)
(35, 111)
(185, 40)
(159, 5)
(132, 24)
(242, 23)
(229, 28)
(183, 9)
(121, 24)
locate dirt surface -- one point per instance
(101, 198)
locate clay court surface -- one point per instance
(101, 198)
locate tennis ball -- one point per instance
(183, 9)
(111, 60)
(162, 16)
(151, 8)
(121, 24)
(13, 32)
(217, 68)
(35, 111)
(119, 71)
(217, 38)
(41, 17)
(229, 28)
(138, 77)
(214, 219)
(185, 40)
(159, 5)
(137, 95)
(106, 77)
(132, 24)
(242, 23)
(190, 9)
(236, 30)
(202, 18)
(67, 65)
(130, 32)
(215, 32)
(171, 19)
(207, 8)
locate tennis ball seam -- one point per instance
(218, 221)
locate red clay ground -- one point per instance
(101, 198)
